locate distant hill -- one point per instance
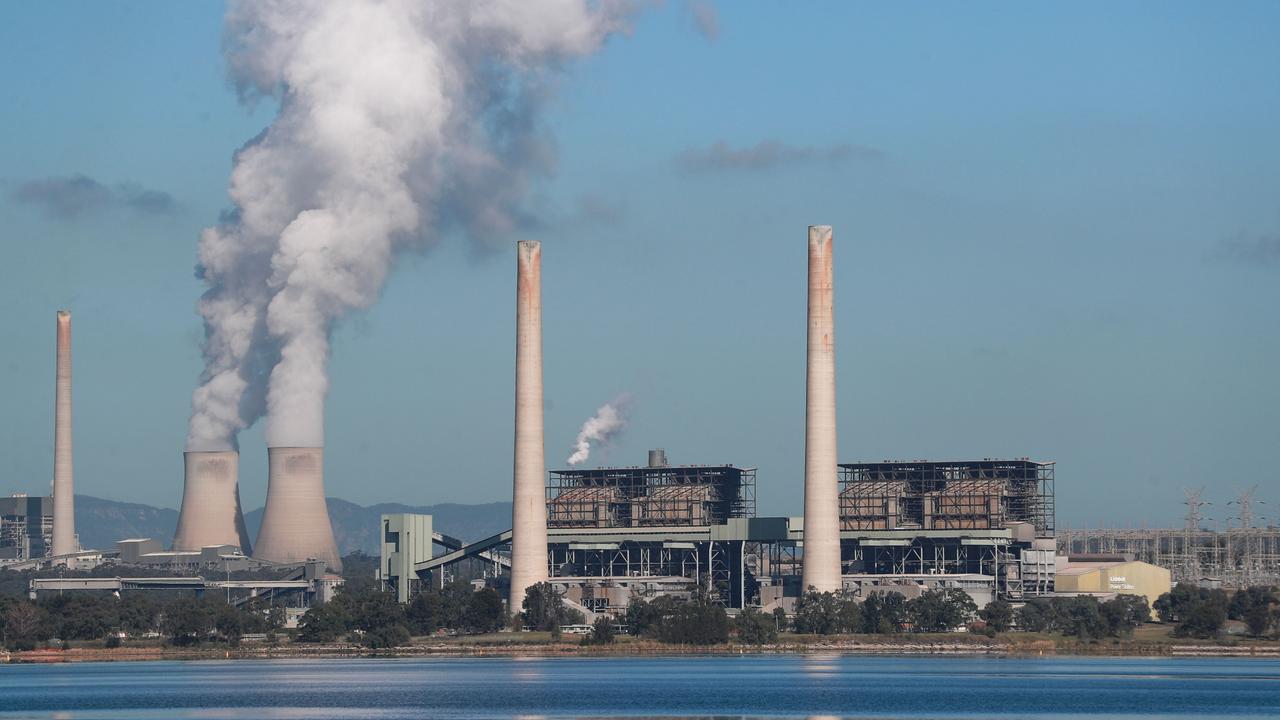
(101, 523)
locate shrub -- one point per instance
(544, 608)
(696, 622)
(780, 619)
(387, 636)
(484, 611)
(601, 632)
(998, 615)
(941, 610)
(823, 613)
(756, 628)
(325, 623)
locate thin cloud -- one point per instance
(705, 17)
(71, 197)
(599, 210)
(769, 155)
(1260, 251)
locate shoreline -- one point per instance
(951, 646)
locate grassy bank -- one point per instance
(1149, 640)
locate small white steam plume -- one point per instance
(397, 119)
(608, 422)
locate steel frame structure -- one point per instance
(960, 495)
(717, 567)
(686, 495)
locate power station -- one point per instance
(609, 534)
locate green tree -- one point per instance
(187, 620)
(942, 610)
(755, 628)
(426, 612)
(138, 613)
(780, 619)
(1204, 620)
(230, 623)
(883, 613)
(1258, 620)
(696, 622)
(1034, 616)
(80, 616)
(848, 614)
(998, 615)
(1125, 613)
(544, 608)
(645, 617)
(1083, 618)
(385, 636)
(818, 613)
(323, 623)
(24, 625)
(372, 610)
(1249, 598)
(484, 611)
(601, 632)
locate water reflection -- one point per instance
(813, 687)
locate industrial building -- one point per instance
(607, 534)
(1109, 575)
(613, 533)
(988, 517)
(1242, 554)
(26, 527)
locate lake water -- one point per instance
(721, 687)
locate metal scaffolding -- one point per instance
(1238, 555)
(691, 495)
(967, 495)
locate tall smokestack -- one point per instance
(821, 512)
(210, 513)
(529, 509)
(295, 523)
(64, 491)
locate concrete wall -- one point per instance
(406, 540)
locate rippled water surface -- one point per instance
(813, 686)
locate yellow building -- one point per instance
(1112, 576)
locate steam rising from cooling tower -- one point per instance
(397, 119)
(600, 429)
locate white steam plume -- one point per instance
(608, 422)
(397, 119)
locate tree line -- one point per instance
(1198, 612)
(182, 619)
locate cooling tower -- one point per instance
(210, 512)
(64, 491)
(821, 491)
(295, 523)
(529, 509)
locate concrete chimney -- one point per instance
(529, 508)
(64, 491)
(210, 513)
(821, 492)
(295, 523)
(657, 458)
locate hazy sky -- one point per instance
(1057, 235)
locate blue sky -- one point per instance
(1057, 236)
